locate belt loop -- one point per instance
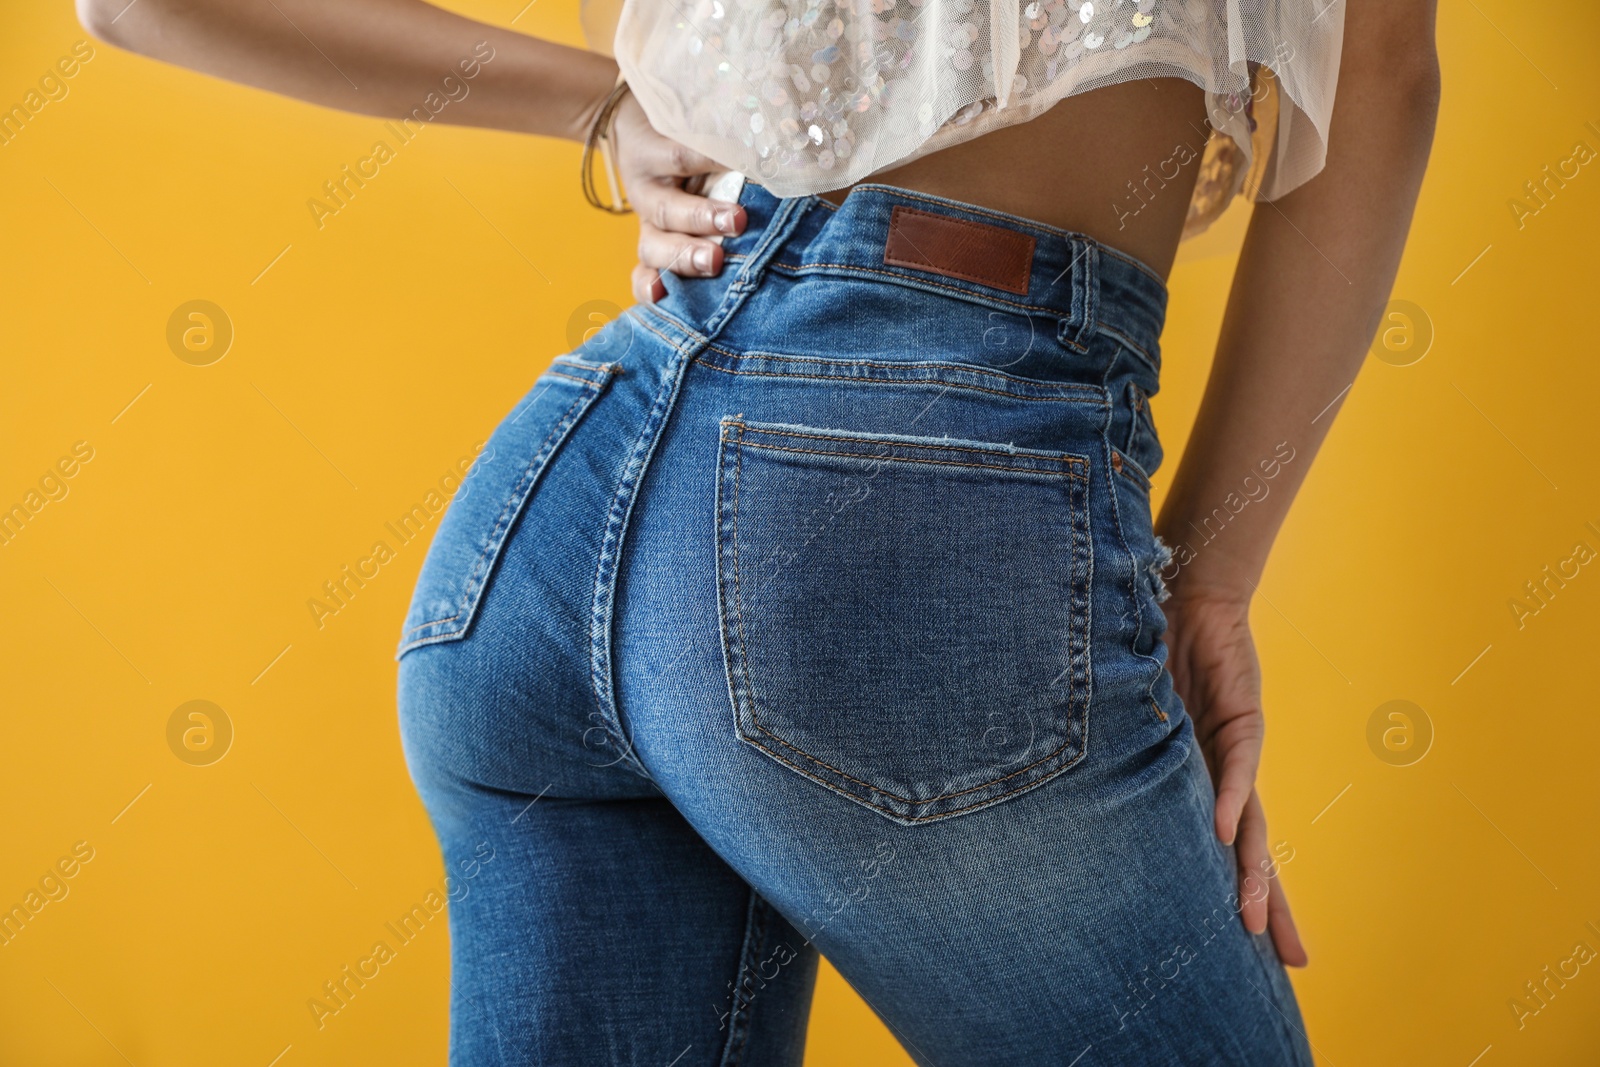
(1079, 326)
(785, 217)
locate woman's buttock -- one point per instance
(1118, 164)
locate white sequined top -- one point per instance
(807, 96)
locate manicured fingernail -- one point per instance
(701, 257)
(724, 220)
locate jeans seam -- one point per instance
(1133, 597)
(603, 604)
(913, 281)
(757, 916)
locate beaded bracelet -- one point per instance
(601, 133)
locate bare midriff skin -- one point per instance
(1312, 279)
(1081, 166)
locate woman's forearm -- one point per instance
(1312, 281)
(376, 57)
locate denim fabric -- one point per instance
(815, 607)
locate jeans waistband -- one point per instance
(1086, 285)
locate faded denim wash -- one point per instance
(817, 607)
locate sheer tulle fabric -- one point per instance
(806, 96)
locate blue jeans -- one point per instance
(817, 607)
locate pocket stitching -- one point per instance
(1080, 394)
(1058, 457)
(1078, 701)
(907, 459)
(512, 505)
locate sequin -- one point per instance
(1033, 10)
(1141, 19)
(1086, 12)
(815, 133)
(962, 60)
(1093, 40)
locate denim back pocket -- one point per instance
(905, 620)
(496, 488)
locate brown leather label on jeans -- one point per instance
(957, 248)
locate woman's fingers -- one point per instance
(1262, 904)
(647, 284)
(666, 206)
(692, 257)
(1285, 936)
(1255, 867)
(1240, 758)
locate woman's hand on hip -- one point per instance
(1214, 667)
(675, 225)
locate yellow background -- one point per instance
(373, 353)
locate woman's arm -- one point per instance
(389, 57)
(1311, 285)
(376, 57)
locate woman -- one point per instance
(816, 602)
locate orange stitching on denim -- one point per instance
(895, 796)
(571, 378)
(911, 818)
(1095, 391)
(738, 594)
(472, 575)
(1061, 457)
(1128, 468)
(676, 346)
(1153, 361)
(572, 359)
(910, 459)
(435, 622)
(801, 267)
(896, 381)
